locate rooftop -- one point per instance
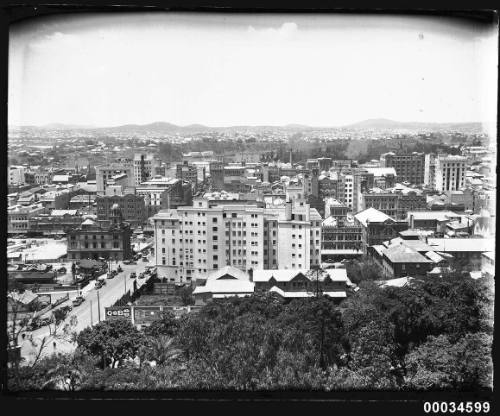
(462, 244)
(432, 215)
(405, 254)
(381, 171)
(371, 215)
(62, 212)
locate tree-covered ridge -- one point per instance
(433, 334)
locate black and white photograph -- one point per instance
(252, 202)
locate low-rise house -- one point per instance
(304, 283)
(226, 282)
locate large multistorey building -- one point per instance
(107, 173)
(18, 217)
(340, 235)
(345, 187)
(161, 193)
(107, 239)
(395, 204)
(450, 173)
(377, 227)
(409, 167)
(146, 166)
(133, 208)
(192, 241)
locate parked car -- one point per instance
(133, 262)
(145, 258)
(99, 284)
(61, 270)
(142, 275)
(67, 308)
(133, 275)
(78, 301)
(126, 261)
(38, 323)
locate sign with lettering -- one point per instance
(118, 312)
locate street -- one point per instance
(88, 312)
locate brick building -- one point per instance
(106, 239)
(132, 206)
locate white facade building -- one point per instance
(145, 167)
(16, 175)
(192, 241)
(450, 173)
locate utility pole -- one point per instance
(98, 307)
(91, 315)
(317, 282)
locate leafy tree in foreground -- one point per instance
(440, 364)
(111, 341)
(167, 325)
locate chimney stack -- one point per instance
(288, 210)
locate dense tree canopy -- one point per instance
(431, 334)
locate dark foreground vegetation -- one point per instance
(435, 334)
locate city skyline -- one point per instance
(234, 70)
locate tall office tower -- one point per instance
(409, 167)
(192, 241)
(146, 166)
(351, 195)
(450, 173)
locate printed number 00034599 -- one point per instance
(454, 407)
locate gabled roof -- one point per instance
(404, 254)
(337, 275)
(228, 270)
(435, 257)
(226, 286)
(371, 215)
(25, 298)
(280, 275)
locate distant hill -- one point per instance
(386, 124)
(164, 128)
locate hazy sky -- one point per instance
(221, 70)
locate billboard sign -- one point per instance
(118, 312)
